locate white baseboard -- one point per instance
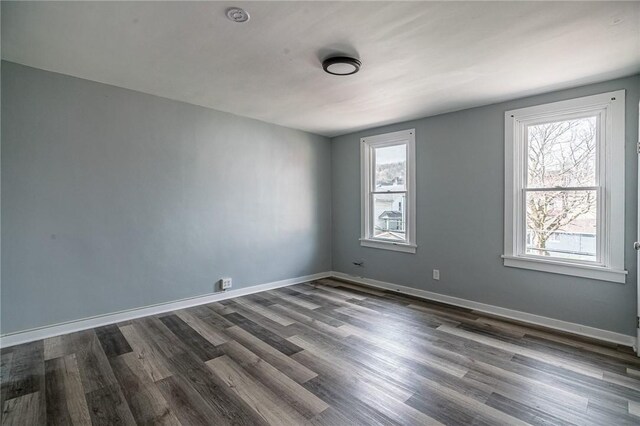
(33, 334)
(570, 327)
(26, 336)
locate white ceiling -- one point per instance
(418, 59)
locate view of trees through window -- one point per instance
(389, 195)
(561, 196)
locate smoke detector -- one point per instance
(236, 14)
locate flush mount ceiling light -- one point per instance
(341, 65)
(237, 15)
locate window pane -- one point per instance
(562, 153)
(391, 168)
(562, 224)
(389, 216)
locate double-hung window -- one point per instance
(564, 187)
(388, 191)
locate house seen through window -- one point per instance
(390, 192)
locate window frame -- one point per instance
(367, 169)
(609, 185)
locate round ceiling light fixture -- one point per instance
(341, 65)
(238, 15)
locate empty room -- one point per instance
(319, 213)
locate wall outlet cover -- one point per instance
(436, 274)
(225, 283)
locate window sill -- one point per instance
(388, 245)
(565, 268)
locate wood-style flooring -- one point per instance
(321, 353)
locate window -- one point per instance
(564, 187)
(388, 191)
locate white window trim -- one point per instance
(611, 107)
(367, 144)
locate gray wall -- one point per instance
(113, 199)
(460, 178)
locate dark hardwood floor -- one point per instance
(327, 353)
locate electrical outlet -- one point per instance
(436, 274)
(225, 283)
